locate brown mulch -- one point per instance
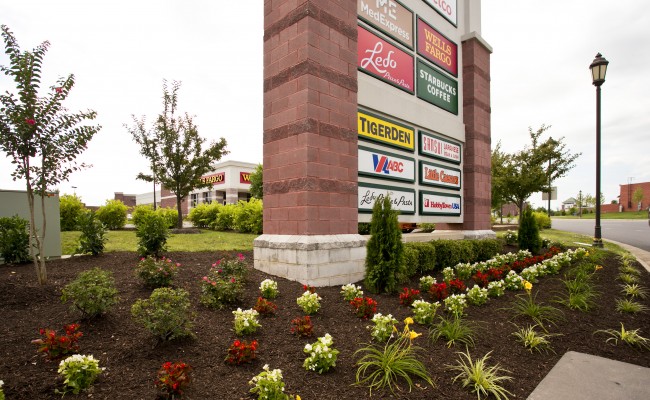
(132, 358)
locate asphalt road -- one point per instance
(633, 232)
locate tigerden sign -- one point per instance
(389, 16)
(382, 60)
(383, 130)
(402, 199)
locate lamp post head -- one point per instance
(598, 69)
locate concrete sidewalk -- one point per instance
(579, 376)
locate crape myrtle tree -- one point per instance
(519, 175)
(175, 149)
(40, 137)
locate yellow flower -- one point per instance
(528, 286)
(394, 328)
(413, 335)
(408, 321)
(298, 397)
(598, 267)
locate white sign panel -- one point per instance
(402, 199)
(446, 8)
(432, 203)
(437, 147)
(439, 175)
(385, 165)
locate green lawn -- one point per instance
(572, 239)
(623, 215)
(205, 241)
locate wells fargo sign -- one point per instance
(382, 60)
(383, 130)
(435, 47)
(389, 16)
(245, 177)
(434, 146)
(436, 88)
(446, 8)
(432, 203)
(402, 199)
(439, 175)
(385, 165)
(215, 179)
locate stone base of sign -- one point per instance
(447, 235)
(483, 234)
(316, 260)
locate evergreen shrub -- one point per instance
(384, 250)
(152, 233)
(113, 214)
(447, 253)
(426, 260)
(249, 217)
(93, 234)
(70, 209)
(528, 235)
(93, 292)
(542, 219)
(486, 248)
(166, 313)
(14, 240)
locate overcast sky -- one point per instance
(120, 51)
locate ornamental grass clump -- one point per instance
(533, 340)
(630, 337)
(269, 289)
(351, 291)
(92, 292)
(321, 355)
(482, 379)
(527, 306)
(166, 313)
(246, 321)
(634, 290)
(309, 302)
(629, 306)
(454, 330)
(79, 372)
(381, 367)
(156, 273)
(383, 328)
(173, 379)
(424, 312)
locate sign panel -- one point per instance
(402, 199)
(437, 147)
(383, 130)
(436, 88)
(446, 8)
(390, 17)
(553, 194)
(215, 179)
(435, 47)
(382, 60)
(385, 165)
(245, 177)
(439, 175)
(433, 203)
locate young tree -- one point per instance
(637, 197)
(498, 190)
(39, 135)
(257, 182)
(528, 171)
(384, 250)
(175, 150)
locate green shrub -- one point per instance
(426, 260)
(467, 254)
(92, 292)
(249, 217)
(169, 215)
(204, 214)
(225, 218)
(113, 214)
(486, 248)
(139, 212)
(14, 240)
(447, 253)
(156, 273)
(528, 235)
(364, 228)
(427, 227)
(152, 235)
(166, 313)
(409, 266)
(542, 219)
(93, 234)
(384, 250)
(70, 209)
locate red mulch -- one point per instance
(131, 358)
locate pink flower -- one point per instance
(241, 257)
(232, 280)
(214, 283)
(178, 264)
(30, 121)
(59, 90)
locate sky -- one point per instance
(120, 52)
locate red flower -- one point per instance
(59, 90)
(30, 121)
(408, 296)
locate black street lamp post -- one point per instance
(598, 70)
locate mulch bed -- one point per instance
(131, 356)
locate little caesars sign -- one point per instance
(406, 46)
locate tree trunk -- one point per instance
(37, 256)
(179, 223)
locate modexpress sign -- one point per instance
(375, 128)
(382, 60)
(384, 165)
(436, 88)
(390, 17)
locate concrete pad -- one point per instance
(579, 376)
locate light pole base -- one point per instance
(597, 243)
